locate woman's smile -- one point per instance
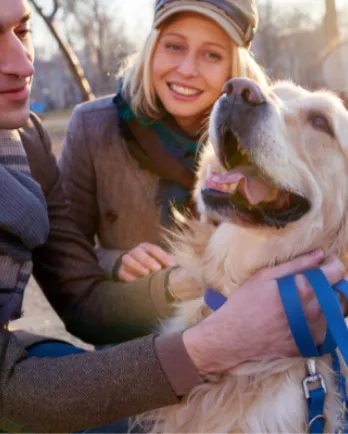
(184, 92)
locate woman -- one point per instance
(127, 159)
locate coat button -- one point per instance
(111, 216)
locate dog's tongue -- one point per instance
(254, 188)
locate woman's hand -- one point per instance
(143, 260)
(252, 324)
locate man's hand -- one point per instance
(252, 324)
(144, 259)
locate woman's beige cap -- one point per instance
(239, 18)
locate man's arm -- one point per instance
(66, 267)
(65, 394)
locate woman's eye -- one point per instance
(320, 122)
(211, 55)
(173, 47)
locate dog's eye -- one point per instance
(321, 123)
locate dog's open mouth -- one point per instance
(245, 193)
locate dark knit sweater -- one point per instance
(23, 223)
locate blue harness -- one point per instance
(336, 336)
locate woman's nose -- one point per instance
(188, 66)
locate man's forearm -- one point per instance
(81, 391)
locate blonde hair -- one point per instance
(138, 88)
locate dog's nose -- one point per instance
(245, 90)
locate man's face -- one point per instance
(16, 63)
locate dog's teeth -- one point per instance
(208, 170)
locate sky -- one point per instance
(137, 14)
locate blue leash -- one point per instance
(336, 336)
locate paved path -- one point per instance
(38, 317)
(56, 123)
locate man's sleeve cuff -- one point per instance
(177, 364)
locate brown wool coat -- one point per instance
(111, 197)
(87, 390)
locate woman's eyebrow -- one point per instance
(216, 44)
(173, 34)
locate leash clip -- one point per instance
(312, 378)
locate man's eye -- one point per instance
(23, 33)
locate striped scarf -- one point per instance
(161, 147)
(23, 223)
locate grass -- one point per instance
(56, 114)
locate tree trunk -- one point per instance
(333, 66)
(330, 22)
(69, 54)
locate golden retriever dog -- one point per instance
(272, 184)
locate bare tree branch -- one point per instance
(67, 51)
(330, 21)
(56, 6)
(38, 8)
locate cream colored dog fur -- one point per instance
(299, 141)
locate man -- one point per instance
(60, 393)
